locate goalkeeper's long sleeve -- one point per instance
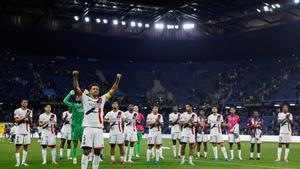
(66, 100)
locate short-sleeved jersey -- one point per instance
(22, 127)
(175, 118)
(285, 126)
(202, 125)
(13, 130)
(233, 123)
(255, 122)
(130, 120)
(67, 118)
(139, 122)
(50, 121)
(115, 119)
(215, 121)
(155, 118)
(187, 118)
(93, 110)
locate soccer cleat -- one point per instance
(54, 162)
(147, 162)
(251, 158)
(60, 158)
(205, 158)
(44, 163)
(216, 159)
(240, 158)
(130, 161)
(258, 158)
(182, 162)
(227, 159)
(191, 162)
(17, 165)
(231, 158)
(197, 157)
(286, 160)
(174, 157)
(69, 158)
(100, 159)
(277, 160)
(137, 156)
(74, 160)
(156, 162)
(162, 157)
(25, 164)
(122, 162)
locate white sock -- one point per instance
(84, 161)
(205, 154)
(179, 150)
(153, 152)
(258, 155)
(191, 158)
(240, 153)
(61, 152)
(68, 152)
(44, 154)
(125, 153)
(286, 155)
(182, 158)
(231, 154)
(174, 150)
(251, 155)
(160, 152)
(96, 162)
(198, 154)
(24, 156)
(131, 149)
(157, 154)
(18, 158)
(149, 152)
(215, 150)
(224, 152)
(279, 150)
(122, 158)
(53, 153)
(112, 157)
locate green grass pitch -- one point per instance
(268, 155)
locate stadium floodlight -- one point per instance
(139, 24)
(258, 10)
(277, 105)
(238, 107)
(147, 25)
(273, 6)
(277, 5)
(132, 24)
(105, 21)
(292, 104)
(176, 27)
(188, 26)
(86, 19)
(297, 1)
(159, 26)
(76, 18)
(98, 20)
(170, 26)
(115, 22)
(123, 23)
(227, 107)
(266, 8)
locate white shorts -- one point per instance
(285, 138)
(130, 136)
(48, 139)
(256, 140)
(116, 138)
(233, 139)
(22, 139)
(66, 135)
(176, 136)
(216, 139)
(154, 138)
(202, 138)
(188, 139)
(93, 138)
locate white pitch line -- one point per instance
(249, 165)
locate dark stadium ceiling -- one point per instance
(211, 17)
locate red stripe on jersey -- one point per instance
(26, 126)
(51, 127)
(193, 131)
(100, 116)
(119, 126)
(289, 127)
(219, 128)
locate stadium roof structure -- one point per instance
(138, 18)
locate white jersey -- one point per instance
(13, 130)
(115, 120)
(155, 118)
(50, 121)
(23, 127)
(174, 118)
(93, 110)
(187, 118)
(130, 118)
(215, 122)
(67, 118)
(285, 126)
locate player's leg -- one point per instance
(205, 149)
(69, 142)
(44, 153)
(198, 149)
(213, 141)
(252, 151)
(26, 143)
(258, 151)
(230, 141)
(62, 145)
(131, 150)
(183, 145)
(112, 153)
(98, 143)
(279, 149)
(18, 143)
(138, 144)
(74, 151)
(158, 153)
(286, 153)
(239, 146)
(174, 138)
(87, 140)
(150, 142)
(191, 146)
(121, 147)
(223, 149)
(125, 149)
(52, 145)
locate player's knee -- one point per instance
(132, 144)
(150, 146)
(97, 152)
(44, 146)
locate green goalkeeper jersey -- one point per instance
(77, 111)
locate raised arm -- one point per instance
(67, 98)
(115, 86)
(75, 82)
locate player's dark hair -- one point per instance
(154, 105)
(22, 100)
(93, 84)
(232, 107)
(190, 104)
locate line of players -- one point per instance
(183, 128)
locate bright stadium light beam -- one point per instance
(292, 104)
(170, 26)
(266, 8)
(105, 21)
(187, 26)
(86, 19)
(176, 27)
(123, 23)
(159, 26)
(139, 24)
(297, 1)
(147, 25)
(115, 22)
(258, 10)
(76, 18)
(277, 5)
(132, 24)
(98, 20)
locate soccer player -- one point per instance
(202, 133)
(66, 134)
(48, 122)
(76, 124)
(174, 118)
(215, 121)
(140, 130)
(93, 118)
(115, 119)
(233, 131)
(13, 132)
(256, 125)
(155, 123)
(23, 118)
(130, 132)
(188, 122)
(285, 119)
